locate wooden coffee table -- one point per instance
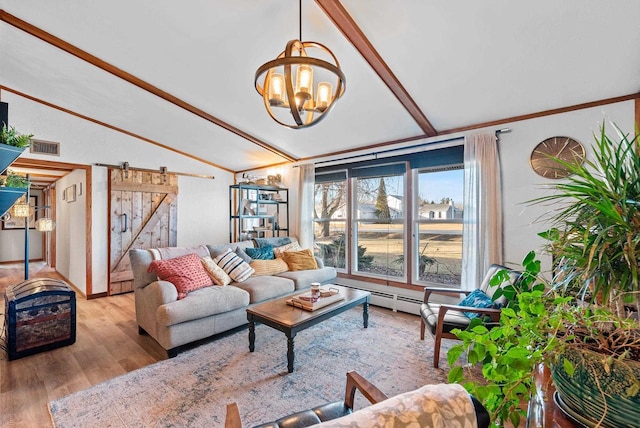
(290, 320)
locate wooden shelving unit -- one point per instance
(257, 211)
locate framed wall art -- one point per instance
(70, 194)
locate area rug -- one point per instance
(193, 388)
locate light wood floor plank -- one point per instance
(107, 345)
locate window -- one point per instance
(438, 247)
(364, 225)
(379, 225)
(330, 219)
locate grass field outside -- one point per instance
(441, 244)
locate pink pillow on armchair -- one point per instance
(186, 273)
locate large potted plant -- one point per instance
(584, 322)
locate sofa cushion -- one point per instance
(202, 303)
(186, 273)
(217, 249)
(262, 253)
(303, 278)
(269, 267)
(300, 260)
(293, 246)
(261, 288)
(216, 273)
(243, 255)
(234, 266)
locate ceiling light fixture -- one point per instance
(288, 84)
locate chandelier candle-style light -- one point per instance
(286, 83)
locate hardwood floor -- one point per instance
(107, 345)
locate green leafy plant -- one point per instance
(13, 179)
(527, 335)
(589, 305)
(595, 238)
(11, 137)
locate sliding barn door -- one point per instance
(142, 208)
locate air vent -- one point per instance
(42, 147)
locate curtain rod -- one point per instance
(162, 170)
(415, 146)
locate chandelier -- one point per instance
(286, 83)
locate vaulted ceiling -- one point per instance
(180, 74)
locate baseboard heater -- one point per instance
(393, 301)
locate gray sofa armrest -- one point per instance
(158, 293)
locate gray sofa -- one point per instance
(210, 310)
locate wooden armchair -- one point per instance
(443, 318)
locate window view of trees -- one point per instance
(330, 222)
(379, 221)
(376, 217)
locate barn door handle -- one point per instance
(124, 230)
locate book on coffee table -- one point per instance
(305, 301)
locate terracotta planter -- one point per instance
(583, 395)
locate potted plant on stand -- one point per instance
(12, 186)
(584, 322)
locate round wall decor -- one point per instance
(564, 148)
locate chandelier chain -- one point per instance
(300, 19)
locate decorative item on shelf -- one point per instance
(274, 180)
(294, 96)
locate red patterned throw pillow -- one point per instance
(186, 273)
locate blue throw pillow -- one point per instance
(262, 253)
(476, 299)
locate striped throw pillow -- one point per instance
(234, 266)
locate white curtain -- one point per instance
(305, 207)
(482, 228)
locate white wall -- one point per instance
(12, 241)
(71, 248)
(520, 183)
(202, 203)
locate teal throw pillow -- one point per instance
(262, 253)
(476, 299)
